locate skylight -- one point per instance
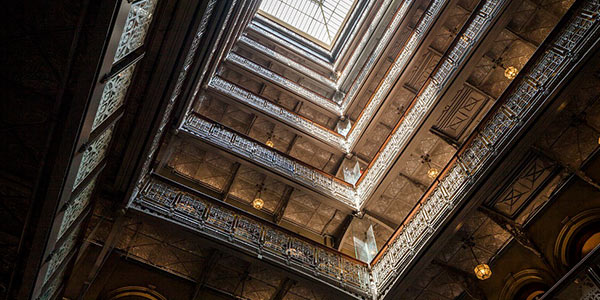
(319, 20)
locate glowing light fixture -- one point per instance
(270, 143)
(483, 271)
(258, 203)
(433, 173)
(511, 72)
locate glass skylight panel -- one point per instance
(319, 20)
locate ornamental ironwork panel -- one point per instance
(276, 240)
(75, 207)
(328, 263)
(283, 82)
(248, 230)
(221, 218)
(216, 134)
(188, 205)
(516, 107)
(248, 233)
(113, 95)
(58, 256)
(93, 155)
(136, 27)
(283, 59)
(301, 251)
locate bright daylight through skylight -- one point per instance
(320, 19)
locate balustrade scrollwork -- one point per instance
(526, 92)
(243, 146)
(283, 82)
(414, 116)
(529, 91)
(136, 27)
(286, 61)
(225, 224)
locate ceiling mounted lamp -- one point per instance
(511, 72)
(433, 173)
(269, 141)
(482, 270)
(258, 202)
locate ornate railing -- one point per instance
(279, 113)
(287, 61)
(557, 56)
(391, 76)
(524, 96)
(421, 105)
(357, 51)
(448, 67)
(328, 136)
(249, 234)
(392, 28)
(247, 148)
(287, 84)
(288, 45)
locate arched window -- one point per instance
(531, 291)
(579, 236)
(134, 293)
(528, 284)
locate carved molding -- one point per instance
(265, 156)
(248, 234)
(412, 118)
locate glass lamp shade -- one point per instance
(483, 271)
(270, 143)
(511, 72)
(433, 173)
(258, 203)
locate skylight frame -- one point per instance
(305, 35)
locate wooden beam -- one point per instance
(282, 205)
(291, 145)
(229, 183)
(109, 243)
(446, 138)
(209, 265)
(283, 289)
